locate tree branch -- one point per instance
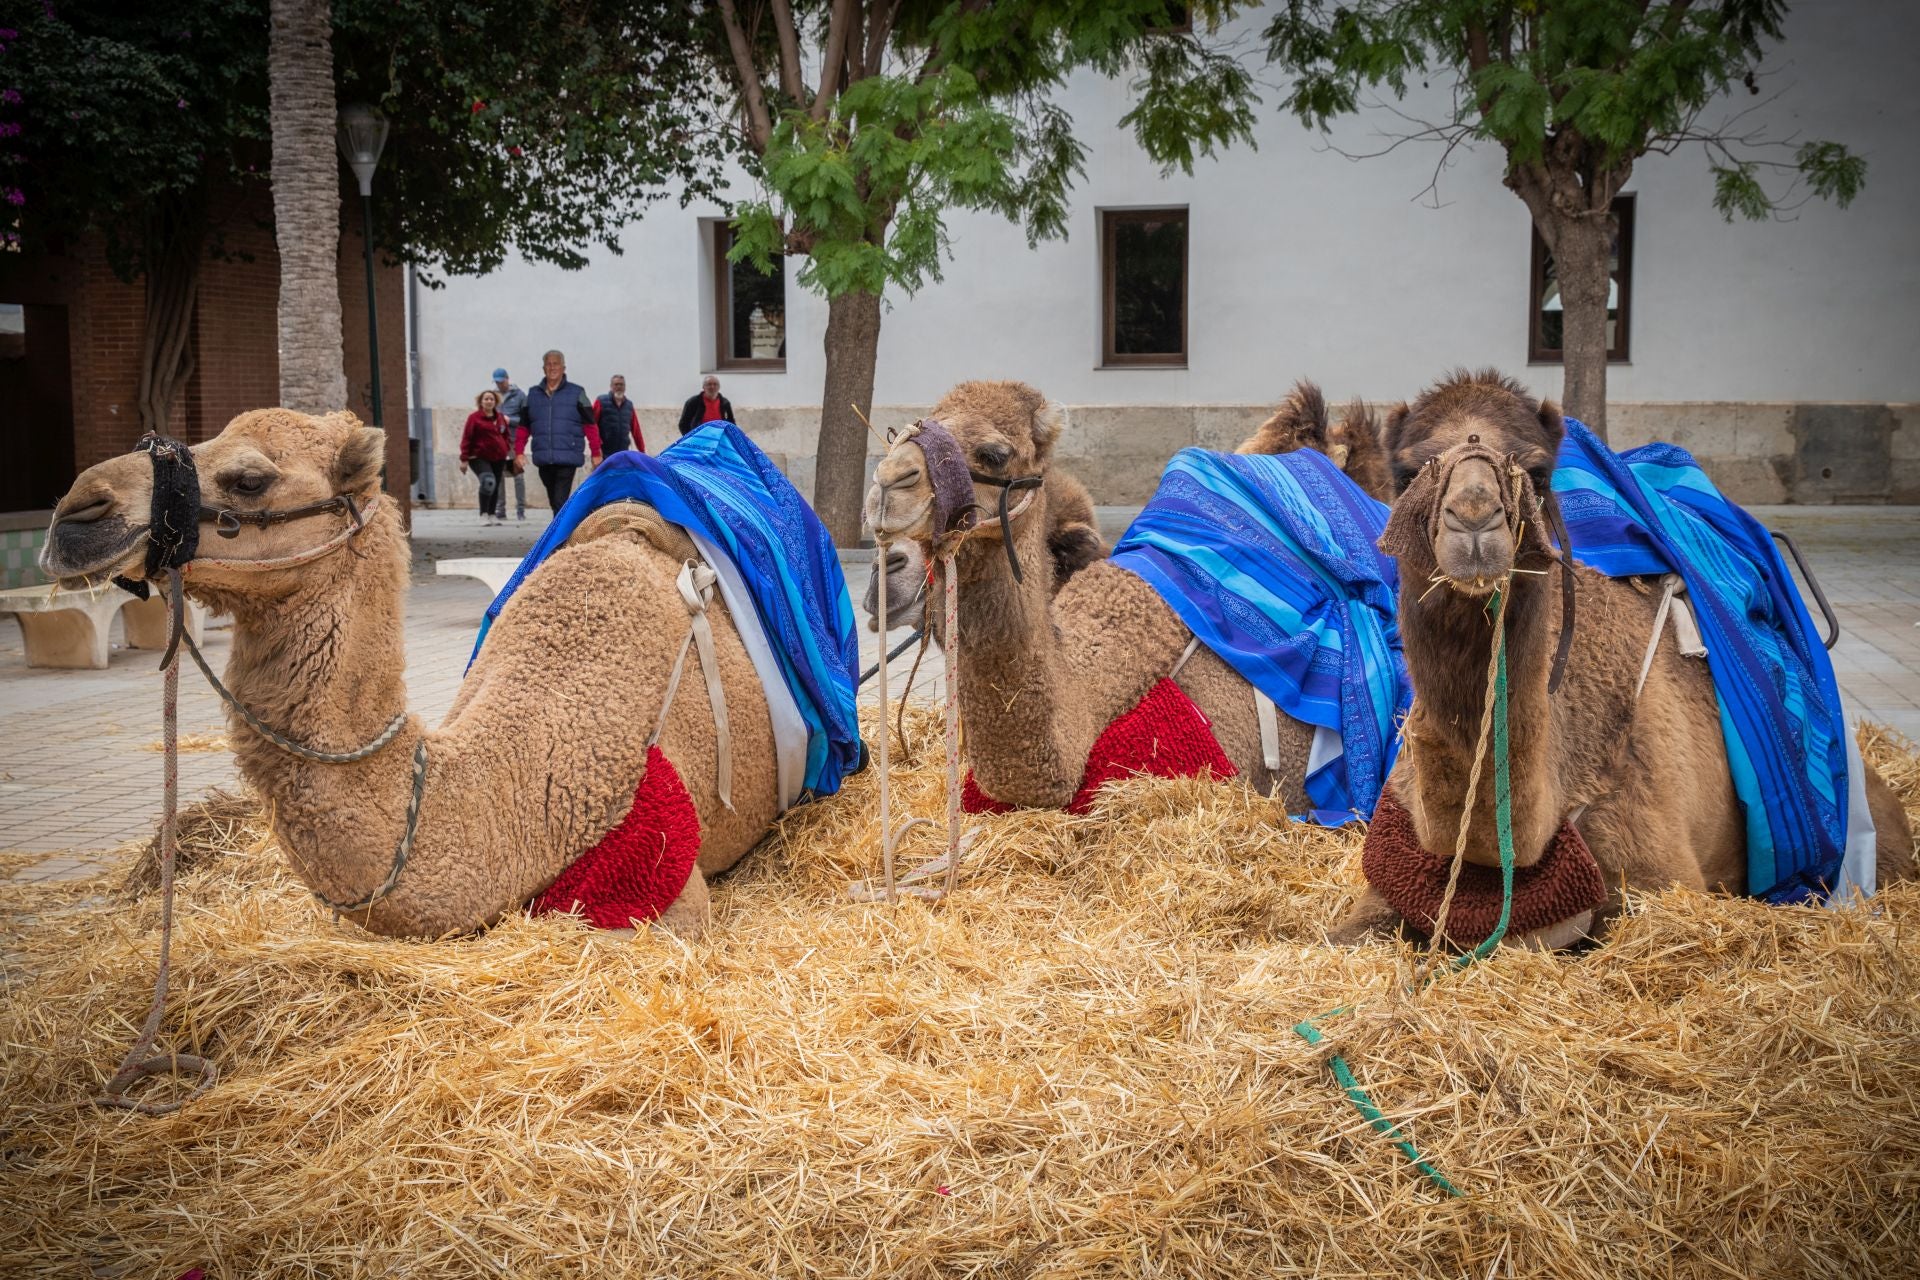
(879, 29)
(791, 85)
(833, 56)
(759, 123)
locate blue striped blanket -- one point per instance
(717, 483)
(1271, 561)
(1653, 511)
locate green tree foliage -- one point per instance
(1575, 92)
(903, 110)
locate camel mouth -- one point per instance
(906, 590)
(90, 543)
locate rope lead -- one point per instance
(1503, 823)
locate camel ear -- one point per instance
(1049, 420)
(358, 466)
(1553, 425)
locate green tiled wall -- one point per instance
(19, 554)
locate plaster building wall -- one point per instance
(1783, 353)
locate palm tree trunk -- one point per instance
(306, 206)
(840, 460)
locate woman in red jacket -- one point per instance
(485, 444)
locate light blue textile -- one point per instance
(1271, 560)
(1653, 511)
(717, 481)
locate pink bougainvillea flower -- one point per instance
(514, 152)
(479, 105)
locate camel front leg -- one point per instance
(687, 916)
(1369, 918)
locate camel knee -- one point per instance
(1892, 833)
(687, 916)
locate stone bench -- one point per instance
(492, 570)
(68, 627)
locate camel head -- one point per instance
(1472, 459)
(1004, 430)
(268, 460)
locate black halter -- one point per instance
(173, 521)
(1007, 487)
(175, 517)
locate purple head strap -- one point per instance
(954, 510)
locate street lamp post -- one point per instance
(363, 134)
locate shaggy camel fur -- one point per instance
(1073, 543)
(1647, 776)
(1040, 674)
(318, 654)
(1301, 422)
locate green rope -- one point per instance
(1503, 822)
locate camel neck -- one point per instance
(330, 655)
(1448, 639)
(1028, 738)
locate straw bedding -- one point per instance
(1083, 1065)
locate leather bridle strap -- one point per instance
(1008, 487)
(1550, 503)
(227, 521)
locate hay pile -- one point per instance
(1083, 1065)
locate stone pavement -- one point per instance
(80, 766)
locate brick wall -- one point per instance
(235, 335)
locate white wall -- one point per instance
(1305, 263)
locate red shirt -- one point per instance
(709, 409)
(484, 438)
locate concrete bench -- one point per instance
(68, 627)
(492, 570)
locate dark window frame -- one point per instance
(1621, 350)
(723, 359)
(1111, 220)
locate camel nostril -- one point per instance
(902, 480)
(98, 509)
(896, 562)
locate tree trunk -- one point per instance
(840, 464)
(306, 206)
(175, 244)
(1580, 251)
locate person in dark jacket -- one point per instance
(708, 406)
(485, 446)
(513, 403)
(618, 420)
(560, 427)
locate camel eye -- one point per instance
(992, 456)
(250, 484)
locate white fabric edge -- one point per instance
(1859, 868)
(789, 729)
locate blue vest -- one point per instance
(616, 423)
(555, 423)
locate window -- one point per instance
(1143, 281)
(749, 310)
(1546, 314)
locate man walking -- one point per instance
(618, 420)
(708, 406)
(560, 428)
(513, 407)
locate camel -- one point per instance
(1643, 779)
(318, 654)
(1301, 422)
(1041, 675)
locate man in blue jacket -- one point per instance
(560, 426)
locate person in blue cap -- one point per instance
(513, 406)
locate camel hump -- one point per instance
(635, 519)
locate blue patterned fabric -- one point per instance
(1271, 561)
(1653, 511)
(716, 481)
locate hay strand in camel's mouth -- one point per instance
(1080, 1065)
